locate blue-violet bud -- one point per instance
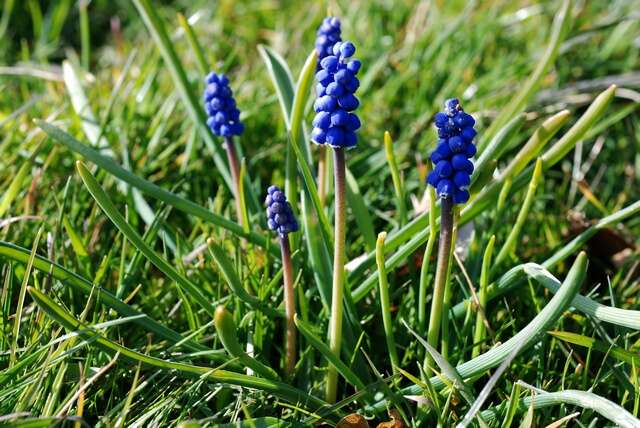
(335, 122)
(451, 175)
(327, 35)
(223, 115)
(280, 216)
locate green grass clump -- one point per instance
(119, 237)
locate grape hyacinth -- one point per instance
(335, 124)
(224, 121)
(223, 115)
(452, 171)
(327, 35)
(280, 216)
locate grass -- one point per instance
(120, 237)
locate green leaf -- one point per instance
(278, 389)
(324, 350)
(147, 187)
(591, 343)
(119, 221)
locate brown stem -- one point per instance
(289, 305)
(234, 166)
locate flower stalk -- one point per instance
(335, 323)
(280, 218)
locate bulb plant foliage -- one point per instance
(214, 328)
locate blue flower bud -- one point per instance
(452, 173)
(335, 137)
(347, 49)
(462, 180)
(327, 35)
(460, 196)
(223, 116)
(322, 120)
(354, 66)
(443, 169)
(457, 144)
(280, 216)
(335, 96)
(445, 188)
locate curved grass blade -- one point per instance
(147, 187)
(278, 389)
(618, 316)
(497, 145)
(65, 276)
(324, 350)
(119, 221)
(525, 338)
(512, 277)
(587, 400)
(229, 273)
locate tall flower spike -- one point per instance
(335, 123)
(224, 116)
(280, 216)
(451, 175)
(327, 35)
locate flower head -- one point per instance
(224, 116)
(327, 35)
(280, 216)
(335, 122)
(451, 175)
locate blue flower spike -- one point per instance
(280, 216)
(451, 175)
(328, 34)
(223, 115)
(335, 123)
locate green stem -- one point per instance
(289, 305)
(442, 266)
(424, 270)
(335, 325)
(448, 293)
(322, 174)
(480, 330)
(234, 166)
(385, 304)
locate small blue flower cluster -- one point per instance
(451, 175)
(327, 35)
(335, 123)
(280, 216)
(224, 116)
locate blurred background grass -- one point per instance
(415, 54)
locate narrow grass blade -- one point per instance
(282, 79)
(496, 146)
(230, 275)
(360, 211)
(591, 343)
(617, 316)
(385, 304)
(151, 189)
(227, 332)
(525, 337)
(559, 30)
(278, 389)
(119, 221)
(324, 350)
(196, 47)
(514, 233)
(65, 276)
(398, 186)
